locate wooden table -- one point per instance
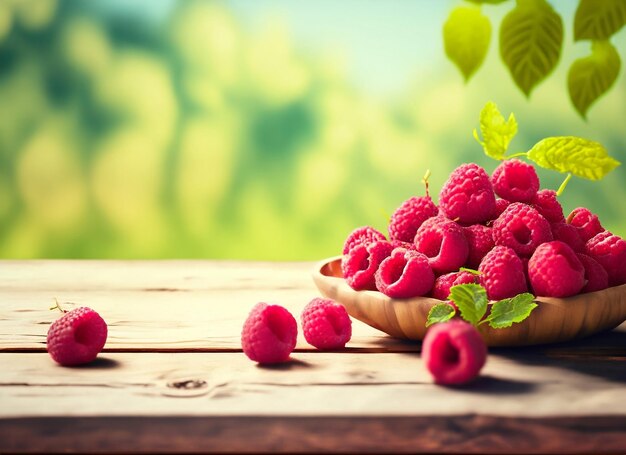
(173, 377)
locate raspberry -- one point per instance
(555, 270)
(269, 334)
(362, 236)
(522, 228)
(454, 352)
(596, 277)
(502, 273)
(567, 233)
(515, 181)
(443, 242)
(443, 283)
(405, 274)
(610, 251)
(546, 203)
(77, 337)
(586, 222)
(501, 204)
(326, 324)
(361, 263)
(401, 244)
(407, 218)
(480, 242)
(467, 196)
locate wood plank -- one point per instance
(323, 401)
(313, 384)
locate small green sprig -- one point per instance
(566, 154)
(472, 302)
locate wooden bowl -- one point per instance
(553, 321)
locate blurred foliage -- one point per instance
(197, 137)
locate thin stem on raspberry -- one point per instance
(563, 185)
(57, 306)
(425, 181)
(515, 155)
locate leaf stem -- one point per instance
(425, 181)
(515, 155)
(563, 185)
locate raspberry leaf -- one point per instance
(471, 299)
(466, 36)
(581, 157)
(596, 20)
(497, 132)
(505, 312)
(441, 312)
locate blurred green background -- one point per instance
(252, 129)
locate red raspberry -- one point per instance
(401, 244)
(467, 196)
(269, 334)
(405, 274)
(596, 277)
(480, 242)
(501, 205)
(610, 251)
(515, 181)
(361, 263)
(555, 270)
(362, 236)
(77, 337)
(326, 324)
(443, 242)
(568, 234)
(522, 228)
(546, 203)
(454, 352)
(586, 222)
(407, 218)
(443, 283)
(502, 273)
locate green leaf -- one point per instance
(531, 36)
(599, 19)
(590, 77)
(471, 299)
(491, 2)
(505, 312)
(441, 312)
(497, 133)
(581, 157)
(466, 36)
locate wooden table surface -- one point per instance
(173, 377)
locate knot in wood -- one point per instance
(188, 384)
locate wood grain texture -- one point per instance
(554, 320)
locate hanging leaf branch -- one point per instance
(531, 42)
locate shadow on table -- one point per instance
(101, 363)
(491, 385)
(291, 364)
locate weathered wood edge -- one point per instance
(424, 434)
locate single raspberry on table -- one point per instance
(546, 203)
(515, 181)
(568, 234)
(443, 242)
(596, 277)
(501, 205)
(443, 283)
(555, 270)
(362, 236)
(610, 251)
(522, 228)
(480, 242)
(467, 196)
(360, 264)
(269, 334)
(587, 223)
(502, 273)
(454, 352)
(77, 337)
(405, 274)
(326, 324)
(407, 218)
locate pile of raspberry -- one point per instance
(503, 226)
